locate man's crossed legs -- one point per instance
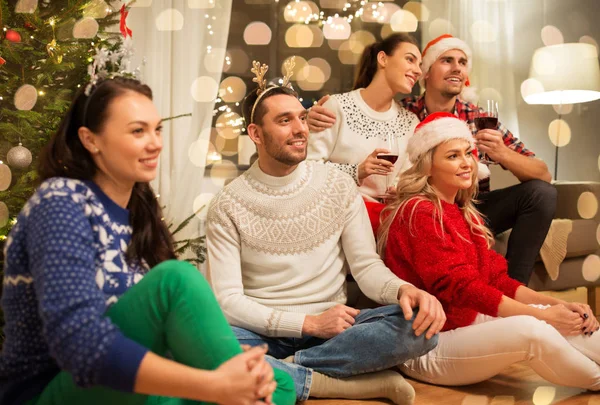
(380, 338)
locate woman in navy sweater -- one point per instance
(433, 237)
(92, 300)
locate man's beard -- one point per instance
(451, 93)
(278, 152)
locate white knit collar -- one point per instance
(376, 115)
(272, 184)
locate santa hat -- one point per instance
(437, 128)
(436, 47)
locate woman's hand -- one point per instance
(246, 379)
(590, 323)
(373, 165)
(566, 321)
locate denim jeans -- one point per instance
(381, 338)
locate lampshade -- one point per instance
(564, 74)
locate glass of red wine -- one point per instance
(486, 117)
(392, 157)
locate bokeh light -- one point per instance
(590, 270)
(418, 9)
(299, 36)
(587, 205)
(483, 32)
(257, 33)
(204, 89)
(169, 20)
(232, 89)
(559, 132)
(26, 97)
(223, 171)
(229, 125)
(201, 4)
(239, 61)
(85, 28)
(201, 204)
(563, 109)
(551, 35)
(404, 21)
(531, 86)
(438, 27)
(95, 9)
(544, 395)
(337, 29)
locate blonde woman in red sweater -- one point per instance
(433, 237)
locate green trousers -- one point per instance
(171, 310)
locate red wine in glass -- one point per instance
(486, 123)
(486, 117)
(389, 157)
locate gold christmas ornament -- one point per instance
(3, 214)
(19, 157)
(54, 52)
(5, 176)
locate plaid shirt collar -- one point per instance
(462, 109)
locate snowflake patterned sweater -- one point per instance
(357, 132)
(280, 248)
(65, 265)
(454, 264)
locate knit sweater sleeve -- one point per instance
(499, 277)
(225, 276)
(321, 144)
(441, 263)
(373, 277)
(81, 339)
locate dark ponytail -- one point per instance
(367, 67)
(65, 156)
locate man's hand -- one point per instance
(330, 323)
(490, 142)
(431, 317)
(373, 165)
(320, 118)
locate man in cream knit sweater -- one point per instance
(281, 239)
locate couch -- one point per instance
(577, 209)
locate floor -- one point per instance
(518, 385)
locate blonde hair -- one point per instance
(413, 185)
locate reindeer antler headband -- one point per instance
(260, 71)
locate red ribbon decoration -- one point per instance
(125, 30)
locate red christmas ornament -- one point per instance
(2, 61)
(30, 26)
(13, 36)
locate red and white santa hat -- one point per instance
(436, 47)
(437, 128)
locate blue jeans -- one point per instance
(381, 338)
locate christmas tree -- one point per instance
(45, 49)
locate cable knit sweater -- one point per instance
(357, 132)
(455, 265)
(280, 247)
(65, 264)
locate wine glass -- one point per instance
(391, 156)
(486, 117)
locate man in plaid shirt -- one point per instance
(526, 208)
